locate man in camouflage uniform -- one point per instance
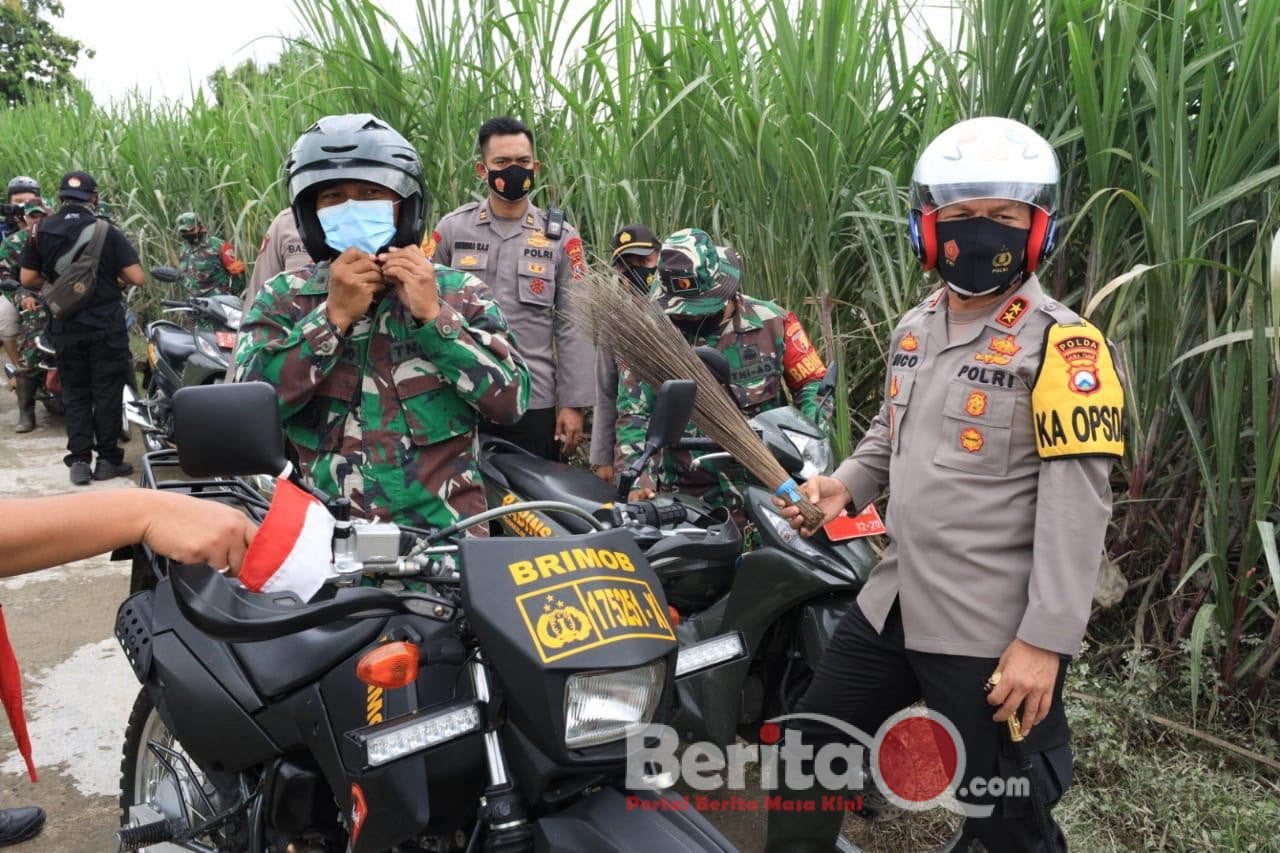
(767, 349)
(32, 317)
(209, 266)
(384, 363)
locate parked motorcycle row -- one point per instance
(177, 356)
(449, 693)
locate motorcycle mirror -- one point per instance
(670, 415)
(229, 430)
(715, 362)
(671, 411)
(10, 285)
(168, 274)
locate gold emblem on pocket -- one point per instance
(976, 405)
(971, 439)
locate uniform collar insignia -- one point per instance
(1020, 303)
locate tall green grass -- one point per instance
(788, 129)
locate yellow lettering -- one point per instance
(608, 559)
(549, 564)
(522, 572)
(586, 559)
(624, 562)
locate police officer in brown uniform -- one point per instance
(282, 250)
(1002, 416)
(526, 255)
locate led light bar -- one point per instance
(710, 653)
(397, 739)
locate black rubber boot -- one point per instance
(26, 403)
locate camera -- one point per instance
(10, 212)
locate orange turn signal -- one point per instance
(675, 614)
(389, 666)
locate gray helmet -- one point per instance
(23, 184)
(358, 147)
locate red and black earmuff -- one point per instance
(922, 229)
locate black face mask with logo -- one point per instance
(512, 183)
(641, 278)
(980, 256)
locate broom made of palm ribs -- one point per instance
(646, 341)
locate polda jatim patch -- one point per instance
(1077, 400)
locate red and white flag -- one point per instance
(293, 548)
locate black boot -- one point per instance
(26, 403)
(18, 825)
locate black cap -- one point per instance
(634, 240)
(78, 185)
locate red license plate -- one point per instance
(845, 526)
(226, 340)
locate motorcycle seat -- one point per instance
(174, 342)
(276, 667)
(536, 479)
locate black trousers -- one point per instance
(93, 368)
(864, 678)
(535, 432)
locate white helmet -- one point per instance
(985, 157)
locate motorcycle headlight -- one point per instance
(234, 317)
(605, 706)
(210, 349)
(816, 452)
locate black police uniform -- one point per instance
(93, 344)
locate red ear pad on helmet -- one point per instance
(1039, 239)
(929, 239)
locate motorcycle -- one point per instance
(179, 357)
(784, 597)
(489, 711)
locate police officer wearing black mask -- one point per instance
(93, 344)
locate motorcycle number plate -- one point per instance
(845, 526)
(226, 340)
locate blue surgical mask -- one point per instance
(364, 225)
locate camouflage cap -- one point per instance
(188, 221)
(35, 206)
(696, 278)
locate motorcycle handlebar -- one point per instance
(697, 443)
(652, 515)
(174, 303)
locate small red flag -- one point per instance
(11, 695)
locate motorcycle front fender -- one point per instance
(628, 822)
(769, 584)
(199, 369)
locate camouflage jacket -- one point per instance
(767, 349)
(386, 415)
(211, 267)
(30, 322)
(11, 253)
